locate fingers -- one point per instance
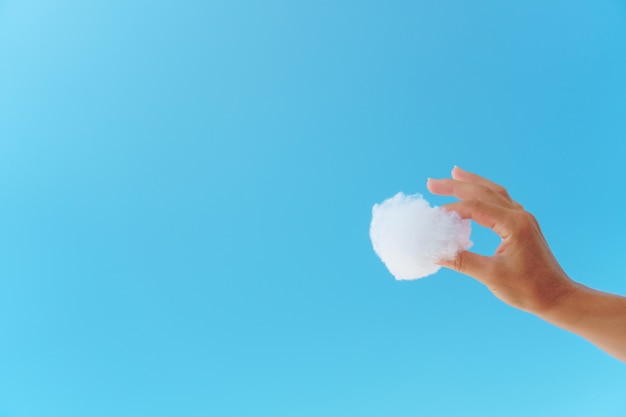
(465, 176)
(465, 185)
(466, 191)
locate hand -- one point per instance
(523, 272)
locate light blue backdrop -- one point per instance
(186, 190)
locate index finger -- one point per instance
(466, 191)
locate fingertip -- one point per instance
(457, 172)
(429, 183)
(445, 263)
(439, 186)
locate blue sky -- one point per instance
(186, 190)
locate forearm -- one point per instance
(596, 316)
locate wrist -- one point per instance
(567, 305)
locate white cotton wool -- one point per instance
(410, 236)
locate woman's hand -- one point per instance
(523, 272)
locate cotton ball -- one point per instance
(409, 236)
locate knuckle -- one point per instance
(474, 203)
(525, 223)
(500, 190)
(485, 190)
(459, 263)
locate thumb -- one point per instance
(468, 263)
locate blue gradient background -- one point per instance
(186, 190)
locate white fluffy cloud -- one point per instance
(410, 236)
